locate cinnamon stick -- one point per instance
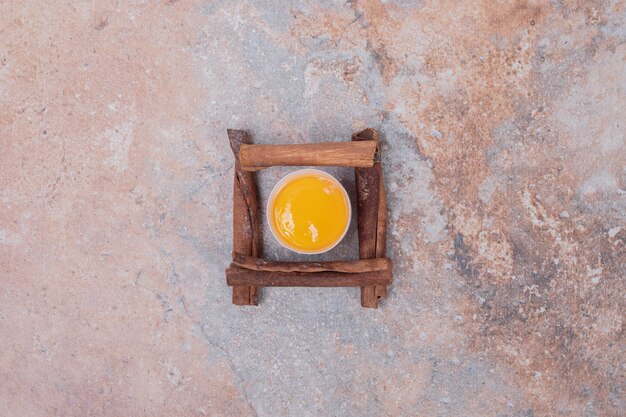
(371, 217)
(351, 154)
(381, 226)
(246, 233)
(238, 276)
(241, 240)
(353, 267)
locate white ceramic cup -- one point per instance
(289, 177)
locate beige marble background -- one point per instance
(503, 125)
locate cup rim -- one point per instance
(282, 182)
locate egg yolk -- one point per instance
(309, 213)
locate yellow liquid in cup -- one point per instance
(309, 213)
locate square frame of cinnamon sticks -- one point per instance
(249, 272)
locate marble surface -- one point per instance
(503, 127)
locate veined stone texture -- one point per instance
(502, 125)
